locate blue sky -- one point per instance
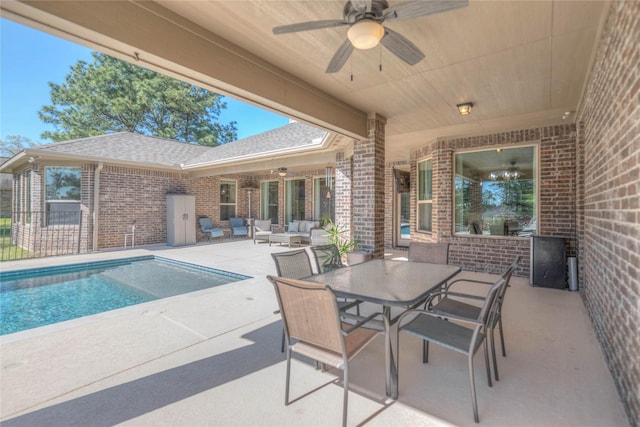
(30, 59)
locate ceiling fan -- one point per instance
(365, 18)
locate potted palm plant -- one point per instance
(339, 236)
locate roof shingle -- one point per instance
(132, 147)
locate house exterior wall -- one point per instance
(131, 195)
(556, 199)
(610, 247)
(30, 229)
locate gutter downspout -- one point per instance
(96, 203)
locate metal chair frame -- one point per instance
(311, 316)
(456, 307)
(448, 331)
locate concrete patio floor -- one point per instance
(212, 358)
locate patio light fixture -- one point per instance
(465, 108)
(365, 34)
(282, 172)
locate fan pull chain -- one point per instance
(380, 51)
(351, 64)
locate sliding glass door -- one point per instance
(294, 200)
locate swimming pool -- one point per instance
(43, 296)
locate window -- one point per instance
(62, 192)
(495, 192)
(227, 200)
(425, 196)
(324, 205)
(295, 199)
(269, 201)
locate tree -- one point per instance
(13, 144)
(109, 95)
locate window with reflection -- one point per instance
(425, 196)
(227, 200)
(495, 192)
(62, 192)
(295, 199)
(269, 201)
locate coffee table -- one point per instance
(290, 239)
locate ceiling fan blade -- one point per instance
(340, 57)
(417, 8)
(306, 26)
(401, 47)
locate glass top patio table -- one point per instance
(391, 284)
(387, 282)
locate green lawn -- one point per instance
(9, 251)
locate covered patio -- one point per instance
(213, 358)
(560, 75)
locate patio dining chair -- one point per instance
(460, 334)
(311, 316)
(451, 303)
(327, 258)
(293, 264)
(435, 253)
(297, 265)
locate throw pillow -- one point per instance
(293, 227)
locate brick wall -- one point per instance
(344, 201)
(610, 150)
(135, 194)
(130, 194)
(556, 199)
(368, 188)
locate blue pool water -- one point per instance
(42, 296)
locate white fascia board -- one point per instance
(322, 143)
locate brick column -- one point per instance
(343, 187)
(368, 187)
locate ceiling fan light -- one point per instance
(365, 34)
(465, 109)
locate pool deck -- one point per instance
(212, 358)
